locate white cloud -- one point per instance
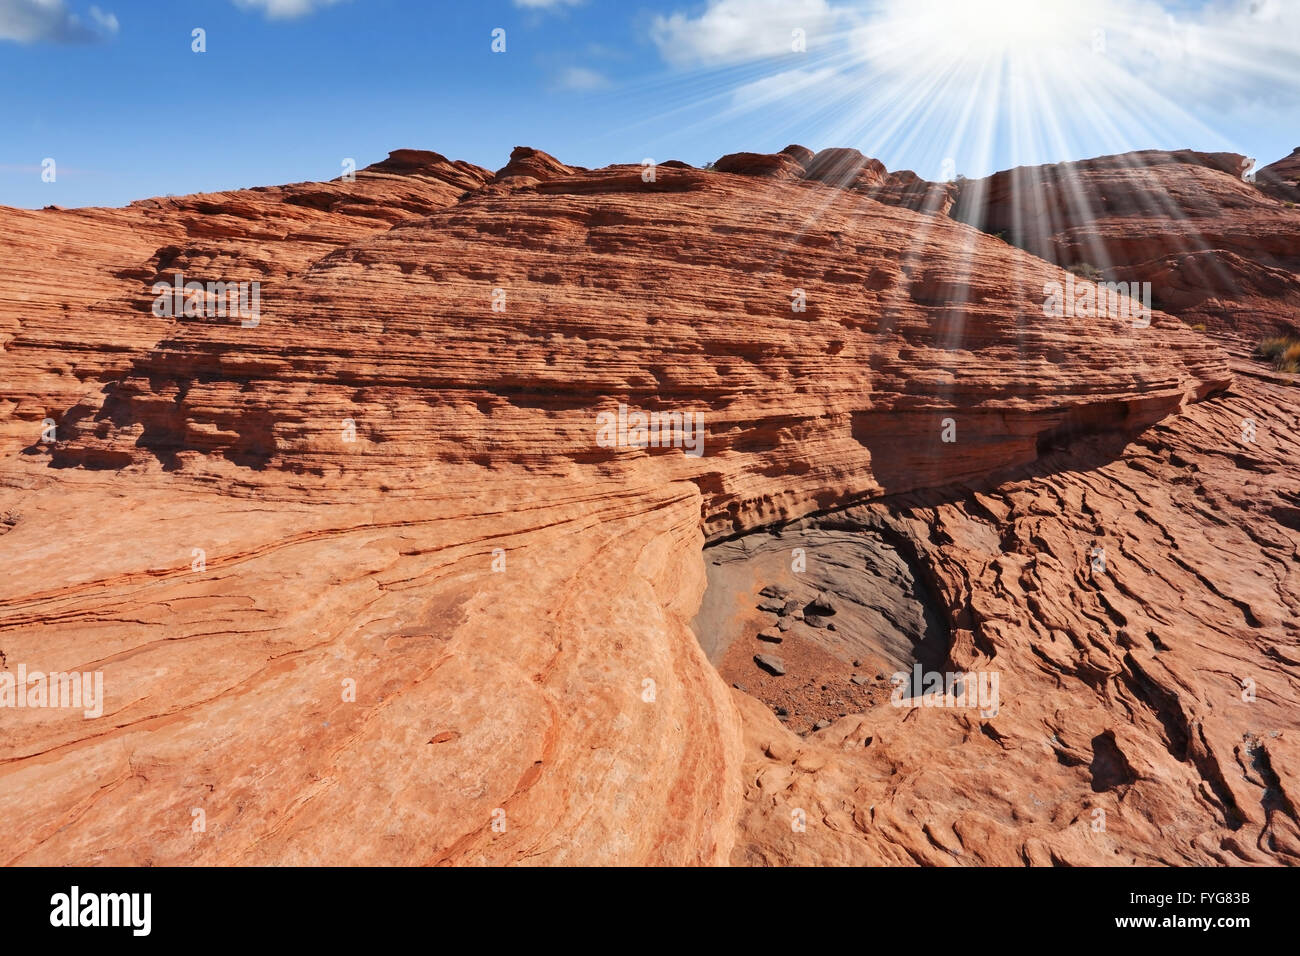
(35, 21)
(581, 78)
(1082, 76)
(285, 9)
(1229, 53)
(107, 21)
(1223, 54)
(731, 31)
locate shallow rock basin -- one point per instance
(850, 610)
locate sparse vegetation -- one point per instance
(1282, 351)
(1085, 270)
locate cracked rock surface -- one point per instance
(364, 588)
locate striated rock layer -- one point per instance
(1282, 178)
(825, 348)
(76, 306)
(367, 584)
(1146, 713)
(1218, 250)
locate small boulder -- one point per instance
(821, 605)
(770, 663)
(771, 635)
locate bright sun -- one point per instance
(978, 33)
(960, 79)
(964, 87)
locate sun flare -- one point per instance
(963, 35)
(979, 29)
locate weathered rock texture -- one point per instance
(365, 587)
(76, 300)
(1218, 251)
(847, 169)
(1282, 179)
(1160, 691)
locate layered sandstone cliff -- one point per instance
(1219, 250)
(366, 586)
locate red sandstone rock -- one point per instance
(800, 154)
(1133, 726)
(75, 302)
(531, 165)
(1282, 179)
(845, 167)
(909, 190)
(774, 165)
(389, 482)
(1217, 250)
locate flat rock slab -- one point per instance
(770, 663)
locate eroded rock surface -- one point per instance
(365, 587)
(1146, 711)
(1219, 251)
(76, 299)
(1282, 178)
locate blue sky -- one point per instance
(288, 88)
